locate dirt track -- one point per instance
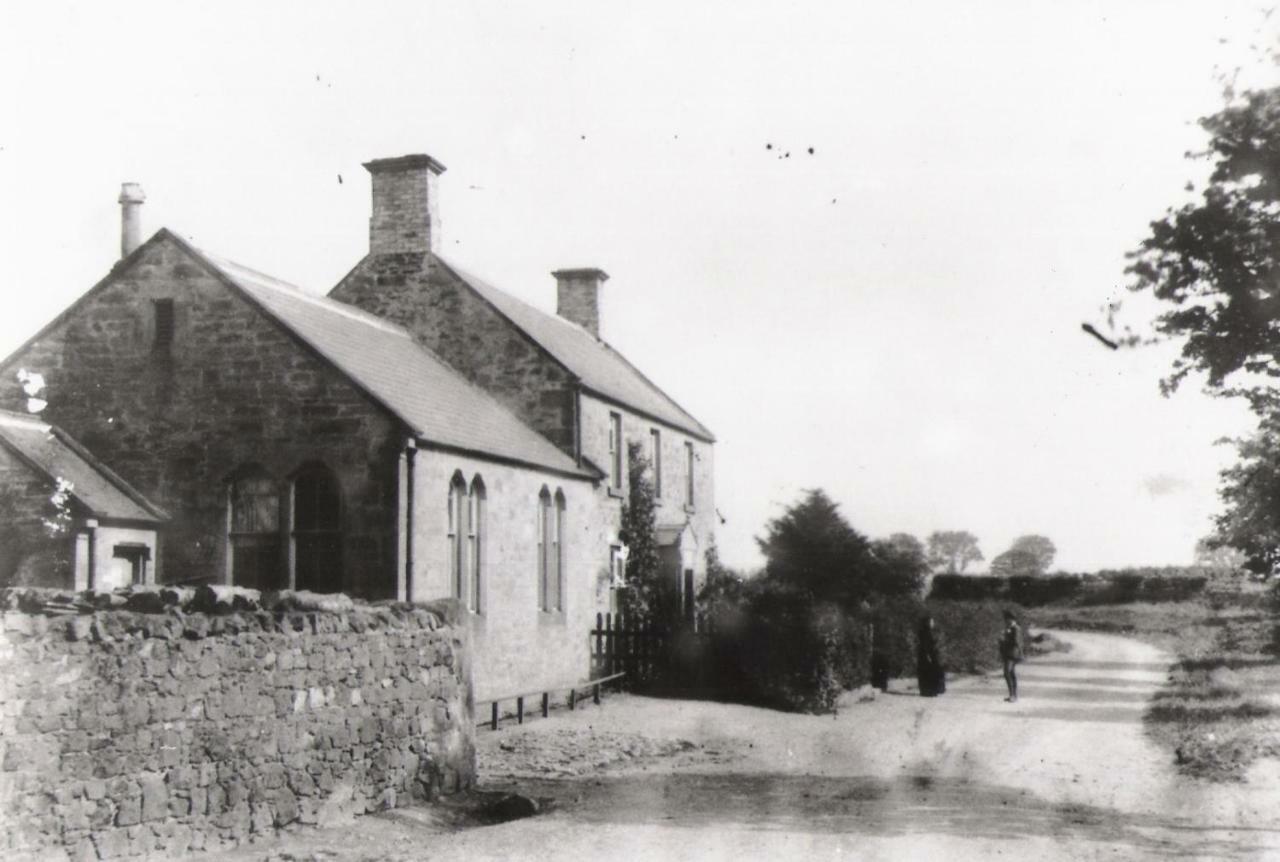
(1066, 773)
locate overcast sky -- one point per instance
(856, 240)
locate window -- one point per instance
(688, 473)
(615, 449)
(254, 533)
(457, 547)
(544, 527)
(317, 530)
(475, 541)
(655, 460)
(129, 563)
(163, 313)
(551, 550)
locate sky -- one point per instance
(856, 240)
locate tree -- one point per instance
(647, 593)
(1211, 554)
(1217, 258)
(1250, 492)
(1040, 548)
(951, 551)
(812, 549)
(905, 566)
(1014, 562)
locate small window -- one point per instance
(617, 566)
(655, 460)
(163, 309)
(475, 541)
(133, 558)
(544, 549)
(458, 516)
(688, 486)
(615, 449)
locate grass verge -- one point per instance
(1220, 709)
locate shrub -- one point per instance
(1034, 590)
(967, 587)
(777, 647)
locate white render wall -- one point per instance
(517, 647)
(594, 422)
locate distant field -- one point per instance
(1220, 711)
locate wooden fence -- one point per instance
(650, 656)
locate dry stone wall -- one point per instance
(158, 723)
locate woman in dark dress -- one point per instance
(929, 672)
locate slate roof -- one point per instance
(601, 369)
(51, 451)
(437, 403)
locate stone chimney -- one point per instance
(131, 198)
(405, 217)
(578, 296)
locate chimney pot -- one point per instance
(131, 199)
(578, 296)
(405, 216)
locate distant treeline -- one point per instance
(1105, 587)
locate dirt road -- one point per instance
(1066, 773)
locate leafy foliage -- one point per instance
(1211, 554)
(647, 594)
(811, 548)
(951, 551)
(904, 565)
(1250, 491)
(1217, 259)
(1027, 556)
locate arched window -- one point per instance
(475, 542)
(457, 528)
(545, 521)
(557, 554)
(253, 532)
(317, 530)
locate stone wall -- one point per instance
(232, 391)
(213, 718)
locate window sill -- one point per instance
(615, 492)
(551, 618)
(689, 509)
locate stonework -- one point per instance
(671, 507)
(232, 391)
(423, 295)
(517, 647)
(157, 734)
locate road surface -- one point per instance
(1065, 773)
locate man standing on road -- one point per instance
(1011, 654)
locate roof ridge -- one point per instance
(481, 284)
(319, 300)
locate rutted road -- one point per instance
(1066, 773)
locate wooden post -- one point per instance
(573, 698)
(599, 644)
(519, 710)
(493, 722)
(546, 704)
(595, 693)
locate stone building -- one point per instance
(67, 518)
(416, 434)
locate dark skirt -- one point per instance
(930, 675)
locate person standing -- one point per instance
(929, 673)
(1011, 654)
